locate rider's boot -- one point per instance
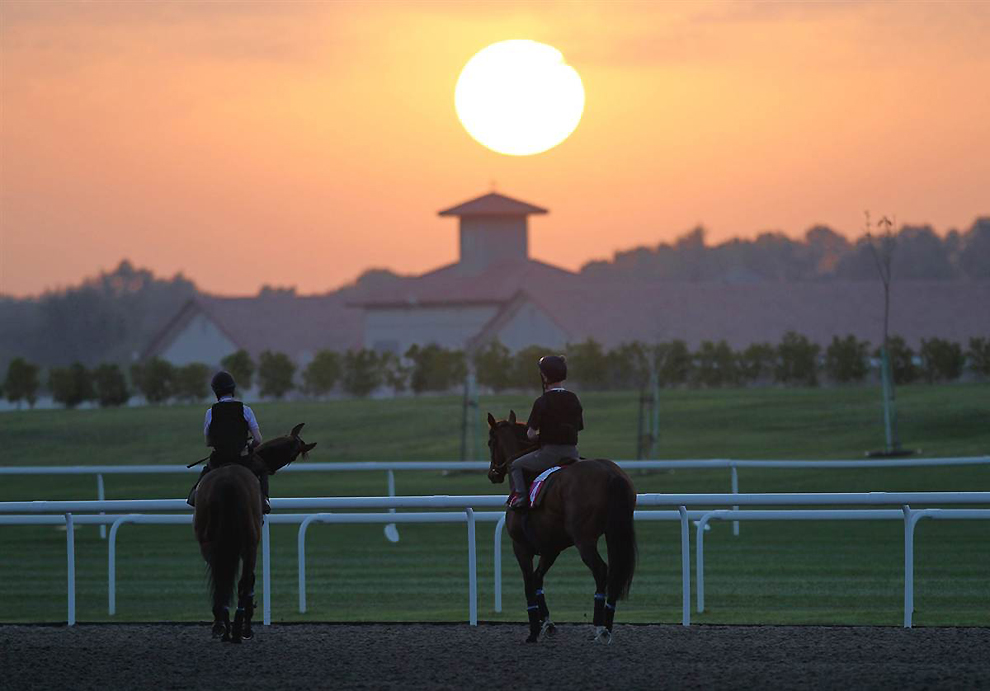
(520, 501)
(191, 499)
(266, 506)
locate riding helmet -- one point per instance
(553, 367)
(222, 384)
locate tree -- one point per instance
(629, 366)
(758, 361)
(241, 368)
(362, 373)
(524, 372)
(493, 366)
(673, 361)
(979, 356)
(192, 381)
(902, 367)
(111, 386)
(435, 368)
(715, 365)
(883, 257)
(796, 360)
(941, 360)
(71, 385)
(275, 372)
(322, 373)
(154, 378)
(846, 359)
(395, 374)
(21, 383)
(587, 365)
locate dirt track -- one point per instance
(492, 656)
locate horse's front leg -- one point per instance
(245, 598)
(546, 561)
(524, 556)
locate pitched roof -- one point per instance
(742, 314)
(493, 204)
(449, 286)
(489, 332)
(282, 322)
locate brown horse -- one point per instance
(227, 524)
(584, 501)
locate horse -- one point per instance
(586, 499)
(227, 523)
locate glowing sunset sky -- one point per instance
(299, 143)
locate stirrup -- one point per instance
(520, 502)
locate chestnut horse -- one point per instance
(227, 523)
(584, 501)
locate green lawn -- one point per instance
(772, 573)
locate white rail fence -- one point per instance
(469, 504)
(390, 467)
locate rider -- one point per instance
(226, 429)
(555, 421)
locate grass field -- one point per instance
(772, 573)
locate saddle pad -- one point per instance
(539, 483)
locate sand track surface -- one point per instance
(447, 656)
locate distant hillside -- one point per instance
(919, 254)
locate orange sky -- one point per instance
(299, 143)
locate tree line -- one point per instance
(823, 254)
(794, 361)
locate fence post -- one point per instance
(101, 496)
(472, 570)
(498, 562)
(70, 548)
(699, 549)
(391, 530)
(735, 490)
(910, 521)
(266, 570)
(301, 550)
(685, 568)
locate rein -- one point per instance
(507, 460)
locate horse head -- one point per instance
(281, 451)
(506, 441)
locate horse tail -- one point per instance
(620, 536)
(225, 542)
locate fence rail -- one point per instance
(36, 511)
(390, 467)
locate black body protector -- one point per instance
(229, 437)
(228, 432)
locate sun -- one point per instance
(519, 97)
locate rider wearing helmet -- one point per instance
(555, 421)
(227, 426)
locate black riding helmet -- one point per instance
(223, 384)
(553, 367)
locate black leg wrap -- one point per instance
(599, 609)
(541, 602)
(609, 615)
(534, 623)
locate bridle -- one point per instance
(500, 469)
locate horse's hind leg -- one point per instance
(599, 569)
(245, 599)
(546, 561)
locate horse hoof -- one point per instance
(603, 636)
(532, 638)
(547, 629)
(248, 635)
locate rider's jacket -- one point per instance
(228, 431)
(558, 415)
